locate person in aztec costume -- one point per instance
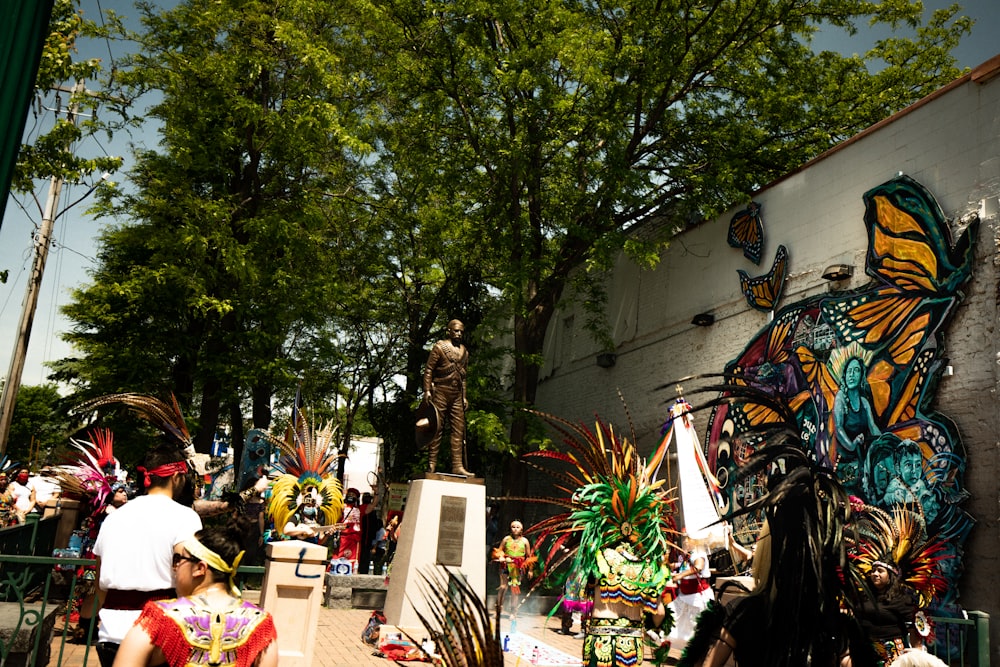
(516, 560)
(901, 563)
(209, 624)
(614, 533)
(306, 499)
(94, 478)
(135, 543)
(803, 608)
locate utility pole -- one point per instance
(42, 242)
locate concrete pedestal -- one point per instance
(444, 525)
(292, 592)
(68, 511)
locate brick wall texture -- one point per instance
(950, 143)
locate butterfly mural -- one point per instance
(763, 292)
(746, 231)
(859, 369)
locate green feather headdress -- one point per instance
(611, 498)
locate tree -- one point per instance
(40, 426)
(553, 129)
(225, 250)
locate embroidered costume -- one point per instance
(612, 642)
(190, 634)
(516, 551)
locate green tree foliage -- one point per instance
(39, 429)
(553, 129)
(225, 251)
(52, 153)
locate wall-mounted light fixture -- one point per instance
(703, 320)
(838, 272)
(606, 359)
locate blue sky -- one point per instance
(74, 237)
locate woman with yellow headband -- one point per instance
(209, 624)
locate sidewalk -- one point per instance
(338, 641)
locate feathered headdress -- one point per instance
(165, 416)
(896, 541)
(95, 470)
(306, 464)
(6, 465)
(611, 499)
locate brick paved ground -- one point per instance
(338, 641)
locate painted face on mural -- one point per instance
(853, 373)
(910, 468)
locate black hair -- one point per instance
(163, 453)
(227, 540)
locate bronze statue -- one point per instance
(444, 390)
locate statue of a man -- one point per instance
(444, 388)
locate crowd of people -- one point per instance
(835, 582)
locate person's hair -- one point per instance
(760, 566)
(226, 540)
(163, 453)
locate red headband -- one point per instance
(165, 470)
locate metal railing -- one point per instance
(963, 642)
(37, 610)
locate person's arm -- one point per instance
(872, 426)
(269, 656)
(721, 650)
(432, 362)
(136, 650)
(101, 593)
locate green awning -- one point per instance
(23, 31)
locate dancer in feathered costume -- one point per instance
(308, 494)
(902, 567)
(94, 473)
(801, 609)
(615, 532)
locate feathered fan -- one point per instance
(165, 416)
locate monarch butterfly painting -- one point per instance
(746, 231)
(764, 291)
(859, 367)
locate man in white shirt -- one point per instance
(23, 493)
(136, 543)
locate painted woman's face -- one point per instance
(852, 375)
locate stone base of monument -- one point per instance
(355, 591)
(444, 526)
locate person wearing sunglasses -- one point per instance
(135, 542)
(210, 622)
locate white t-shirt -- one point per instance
(135, 545)
(22, 496)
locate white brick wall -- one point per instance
(951, 145)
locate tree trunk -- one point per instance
(529, 339)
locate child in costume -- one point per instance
(306, 499)
(209, 624)
(515, 557)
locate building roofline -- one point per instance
(980, 74)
